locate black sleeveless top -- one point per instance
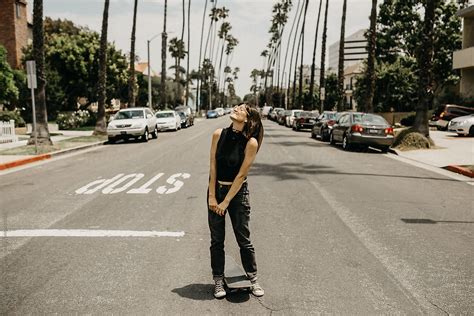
(230, 154)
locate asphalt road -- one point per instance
(334, 231)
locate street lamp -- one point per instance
(149, 75)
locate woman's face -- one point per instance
(239, 113)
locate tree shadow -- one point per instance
(198, 292)
(295, 143)
(294, 171)
(430, 221)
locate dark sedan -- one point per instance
(362, 130)
(304, 120)
(324, 123)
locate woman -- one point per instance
(233, 151)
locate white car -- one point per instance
(220, 111)
(132, 123)
(168, 120)
(290, 118)
(463, 125)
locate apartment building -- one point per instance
(464, 59)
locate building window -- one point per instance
(18, 10)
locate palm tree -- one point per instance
(300, 90)
(164, 38)
(100, 126)
(340, 73)
(199, 79)
(369, 99)
(178, 52)
(189, 47)
(291, 60)
(224, 30)
(131, 78)
(42, 131)
(322, 79)
(425, 66)
(313, 64)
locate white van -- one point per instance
(265, 110)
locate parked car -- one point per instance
(362, 130)
(184, 119)
(324, 123)
(227, 110)
(132, 123)
(266, 110)
(463, 125)
(220, 111)
(212, 114)
(305, 120)
(274, 114)
(282, 117)
(447, 112)
(291, 117)
(189, 113)
(168, 120)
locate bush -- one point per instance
(12, 115)
(72, 120)
(408, 121)
(408, 139)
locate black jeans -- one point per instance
(239, 212)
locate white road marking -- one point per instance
(87, 233)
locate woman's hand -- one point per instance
(212, 203)
(221, 208)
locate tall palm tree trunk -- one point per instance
(100, 126)
(369, 98)
(199, 82)
(189, 48)
(313, 64)
(425, 66)
(296, 71)
(131, 78)
(300, 90)
(42, 131)
(164, 38)
(322, 79)
(340, 73)
(291, 60)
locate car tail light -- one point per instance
(357, 128)
(331, 122)
(389, 131)
(301, 120)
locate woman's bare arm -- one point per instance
(212, 165)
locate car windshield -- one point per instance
(306, 114)
(182, 115)
(164, 114)
(130, 114)
(331, 116)
(369, 119)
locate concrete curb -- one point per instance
(21, 162)
(458, 169)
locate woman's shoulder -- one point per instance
(217, 132)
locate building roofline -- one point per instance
(466, 12)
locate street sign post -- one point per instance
(32, 84)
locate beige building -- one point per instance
(355, 50)
(464, 59)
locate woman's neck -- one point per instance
(237, 126)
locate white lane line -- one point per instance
(87, 233)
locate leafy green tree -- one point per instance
(332, 93)
(8, 88)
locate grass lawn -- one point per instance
(64, 144)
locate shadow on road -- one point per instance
(198, 292)
(292, 171)
(430, 221)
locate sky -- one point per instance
(250, 20)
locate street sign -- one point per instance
(322, 95)
(31, 74)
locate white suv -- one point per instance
(290, 118)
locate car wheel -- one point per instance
(145, 136)
(384, 149)
(154, 135)
(345, 143)
(331, 139)
(111, 140)
(471, 130)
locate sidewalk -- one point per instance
(13, 160)
(452, 152)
